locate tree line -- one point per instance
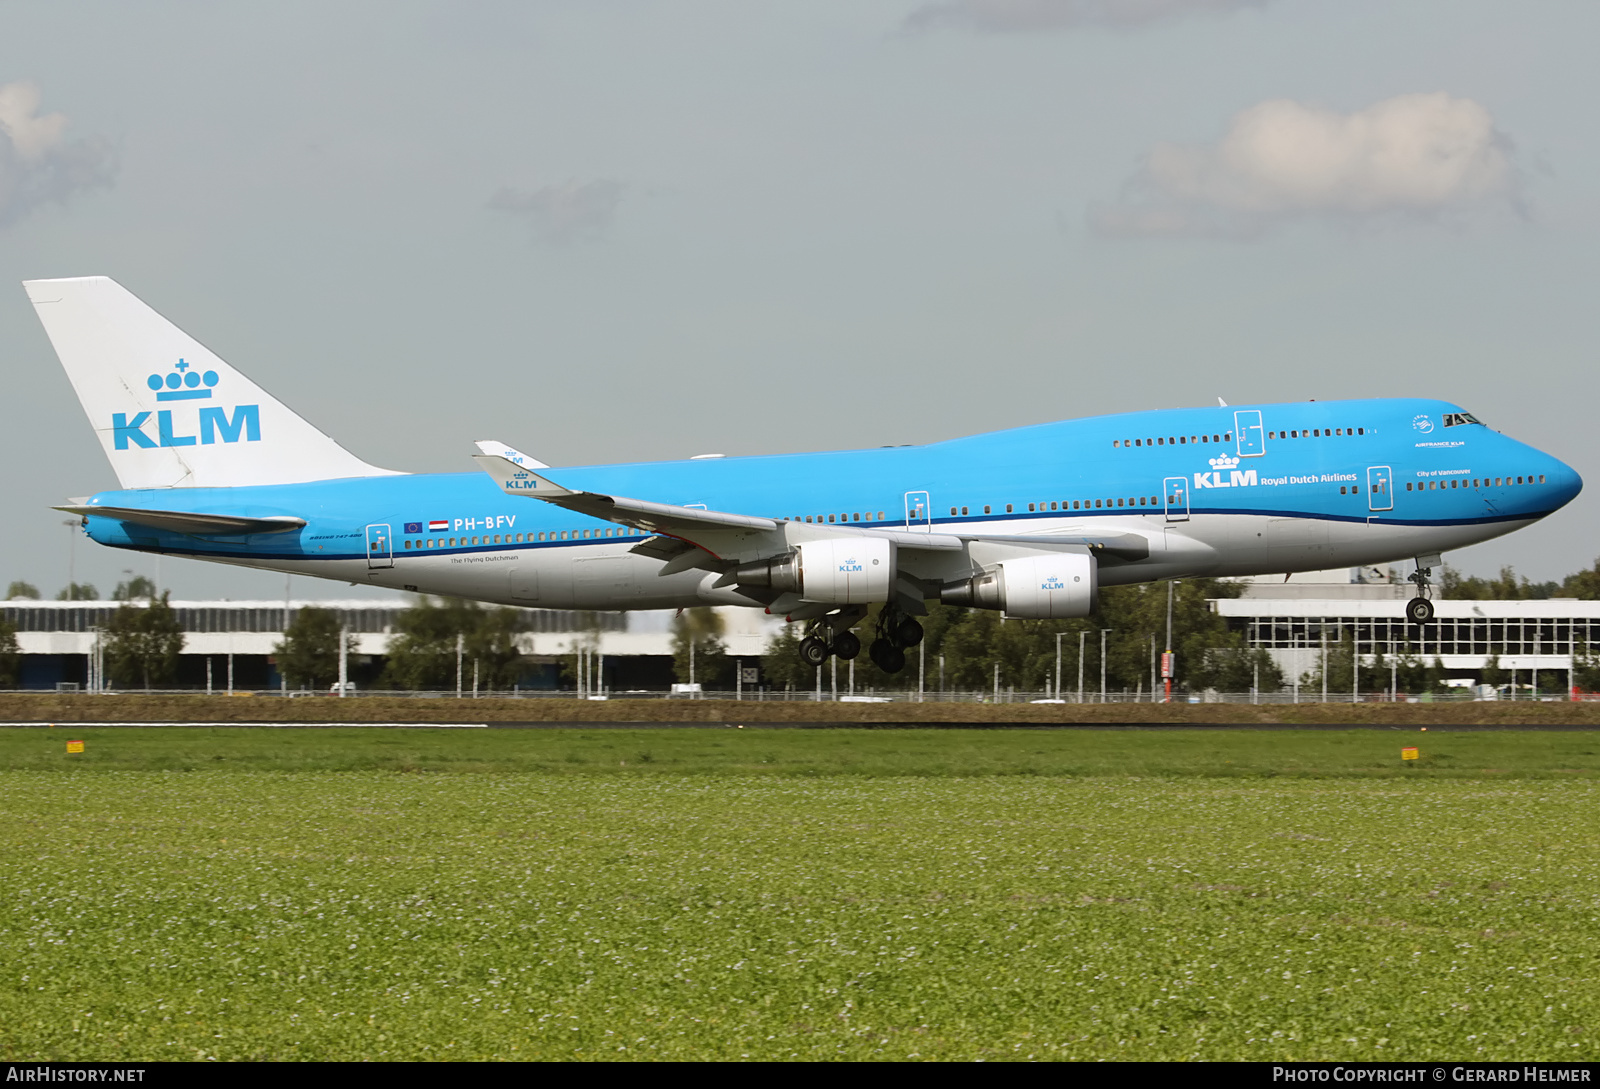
(962, 647)
(1509, 586)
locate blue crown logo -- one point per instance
(183, 384)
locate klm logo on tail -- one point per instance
(185, 384)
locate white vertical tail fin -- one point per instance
(168, 412)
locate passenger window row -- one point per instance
(1075, 504)
(1178, 440)
(1484, 482)
(1227, 436)
(521, 538)
(1317, 433)
(850, 516)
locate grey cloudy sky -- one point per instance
(637, 229)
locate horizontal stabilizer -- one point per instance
(202, 525)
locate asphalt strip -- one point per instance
(278, 725)
(1035, 726)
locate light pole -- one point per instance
(72, 558)
(1103, 633)
(1324, 664)
(1166, 663)
(1057, 692)
(1081, 637)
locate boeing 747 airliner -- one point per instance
(1031, 521)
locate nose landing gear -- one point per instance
(1419, 610)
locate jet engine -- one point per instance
(840, 570)
(1058, 586)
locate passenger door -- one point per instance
(380, 550)
(919, 512)
(1175, 491)
(1380, 488)
(1247, 430)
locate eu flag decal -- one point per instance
(413, 527)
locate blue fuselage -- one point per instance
(1256, 490)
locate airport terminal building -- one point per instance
(62, 645)
(231, 645)
(1294, 619)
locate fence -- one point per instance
(1287, 696)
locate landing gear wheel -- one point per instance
(1419, 610)
(908, 633)
(813, 651)
(846, 645)
(886, 656)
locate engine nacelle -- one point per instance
(1059, 586)
(839, 570)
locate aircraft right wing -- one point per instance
(690, 537)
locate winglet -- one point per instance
(519, 479)
(500, 449)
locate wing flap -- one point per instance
(1123, 546)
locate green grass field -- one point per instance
(950, 894)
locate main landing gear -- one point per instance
(831, 635)
(1419, 610)
(896, 633)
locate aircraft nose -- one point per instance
(1564, 480)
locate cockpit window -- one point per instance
(1453, 419)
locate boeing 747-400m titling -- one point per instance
(1032, 521)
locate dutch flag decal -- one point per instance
(438, 525)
